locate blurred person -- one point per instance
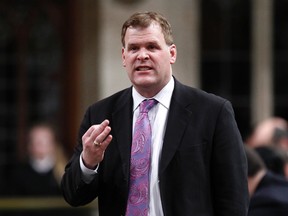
(273, 158)
(272, 133)
(197, 165)
(280, 139)
(268, 191)
(40, 174)
(263, 133)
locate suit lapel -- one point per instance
(122, 126)
(178, 119)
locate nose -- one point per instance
(143, 55)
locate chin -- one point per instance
(144, 81)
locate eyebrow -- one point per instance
(147, 43)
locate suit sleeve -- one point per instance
(229, 166)
(75, 191)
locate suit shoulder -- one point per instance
(199, 96)
(118, 97)
(110, 104)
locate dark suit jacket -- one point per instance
(202, 170)
(270, 197)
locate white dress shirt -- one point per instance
(158, 120)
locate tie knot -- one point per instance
(146, 105)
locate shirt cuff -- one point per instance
(87, 174)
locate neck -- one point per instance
(151, 91)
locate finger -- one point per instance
(104, 144)
(101, 137)
(89, 131)
(98, 129)
(99, 150)
(93, 131)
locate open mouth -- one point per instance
(144, 68)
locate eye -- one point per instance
(132, 48)
(152, 47)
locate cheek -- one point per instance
(129, 70)
(129, 62)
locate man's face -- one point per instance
(148, 59)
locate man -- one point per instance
(268, 191)
(263, 134)
(198, 165)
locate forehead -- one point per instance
(139, 34)
(40, 132)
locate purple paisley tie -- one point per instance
(138, 199)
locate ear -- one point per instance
(123, 57)
(173, 53)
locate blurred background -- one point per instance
(59, 56)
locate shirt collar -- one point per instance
(163, 97)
